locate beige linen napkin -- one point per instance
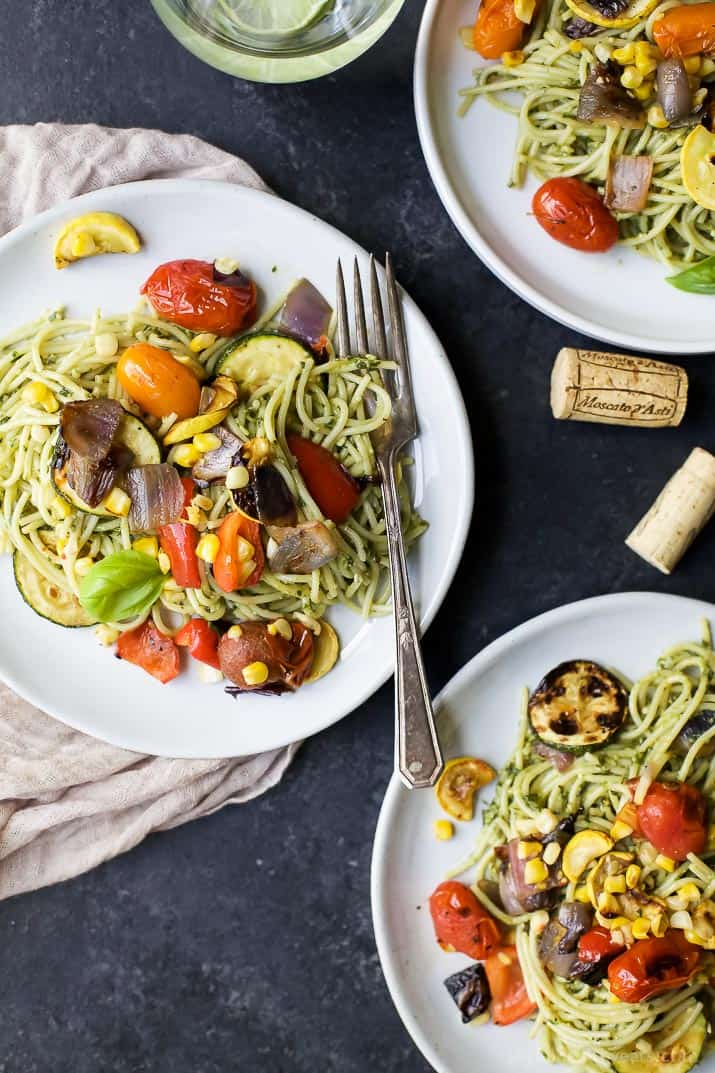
(68, 801)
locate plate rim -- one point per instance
(471, 234)
(396, 795)
(25, 231)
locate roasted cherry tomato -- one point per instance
(151, 650)
(158, 382)
(196, 296)
(673, 818)
(510, 1000)
(573, 213)
(233, 571)
(201, 639)
(460, 922)
(597, 944)
(179, 540)
(329, 483)
(686, 30)
(652, 966)
(498, 29)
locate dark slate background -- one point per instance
(244, 941)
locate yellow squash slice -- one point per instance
(94, 233)
(458, 785)
(697, 165)
(326, 649)
(635, 12)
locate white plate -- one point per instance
(478, 716)
(65, 672)
(619, 297)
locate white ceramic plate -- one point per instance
(478, 716)
(619, 297)
(65, 672)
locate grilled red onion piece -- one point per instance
(274, 503)
(89, 427)
(558, 943)
(301, 548)
(561, 761)
(91, 481)
(628, 183)
(157, 496)
(215, 464)
(306, 314)
(231, 279)
(604, 100)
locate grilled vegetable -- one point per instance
(159, 383)
(459, 783)
(306, 315)
(196, 295)
(672, 817)
(47, 599)
(194, 426)
(693, 730)
(628, 183)
(572, 212)
(676, 1057)
(151, 650)
(201, 639)
(558, 942)
(697, 166)
(469, 990)
(581, 850)
(686, 30)
(652, 966)
(673, 87)
(326, 649)
(257, 358)
(510, 999)
(93, 233)
(620, 14)
(461, 922)
(157, 496)
(527, 882)
(334, 490)
(498, 28)
(578, 705)
(215, 464)
(240, 560)
(604, 100)
(254, 658)
(301, 548)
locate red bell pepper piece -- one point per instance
(151, 650)
(179, 540)
(201, 639)
(329, 483)
(229, 570)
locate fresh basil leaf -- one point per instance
(121, 586)
(700, 279)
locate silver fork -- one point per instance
(417, 753)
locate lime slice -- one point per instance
(279, 17)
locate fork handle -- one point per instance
(417, 753)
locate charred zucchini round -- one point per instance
(578, 705)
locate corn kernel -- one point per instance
(281, 628)
(527, 849)
(255, 674)
(83, 244)
(551, 853)
(613, 999)
(209, 675)
(539, 920)
(61, 507)
(620, 830)
(681, 919)
(117, 502)
(171, 586)
(147, 546)
(203, 502)
(225, 265)
(83, 565)
(656, 117)
(244, 549)
(106, 635)
(247, 569)
(619, 922)
(689, 892)
(644, 92)
(640, 927)
(164, 562)
(234, 632)
(576, 46)
(184, 455)
(546, 821)
(34, 392)
(633, 875)
(206, 441)
(625, 54)
(692, 64)
(699, 97)
(607, 903)
(202, 341)
(631, 78)
(707, 66)
(659, 925)
(237, 477)
(666, 863)
(615, 884)
(208, 547)
(39, 433)
(642, 51)
(581, 894)
(693, 937)
(106, 344)
(535, 871)
(513, 59)
(443, 830)
(194, 516)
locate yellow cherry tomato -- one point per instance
(158, 382)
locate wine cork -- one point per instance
(681, 510)
(614, 389)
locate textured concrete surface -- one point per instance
(244, 941)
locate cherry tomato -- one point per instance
(329, 483)
(597, 944)
(498, 29)
(229, 570)
(158, 382)
(179, 540)
(461, 922)
(686, 30)
(192, 294)
(510, 1000)
(652, 966)
(151, 650)
(201, 639)
(673, 818)
(573, 213)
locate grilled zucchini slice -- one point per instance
(578, 705)
(134, 434)
(47, 599)
(258, 357)
(678, 1057)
